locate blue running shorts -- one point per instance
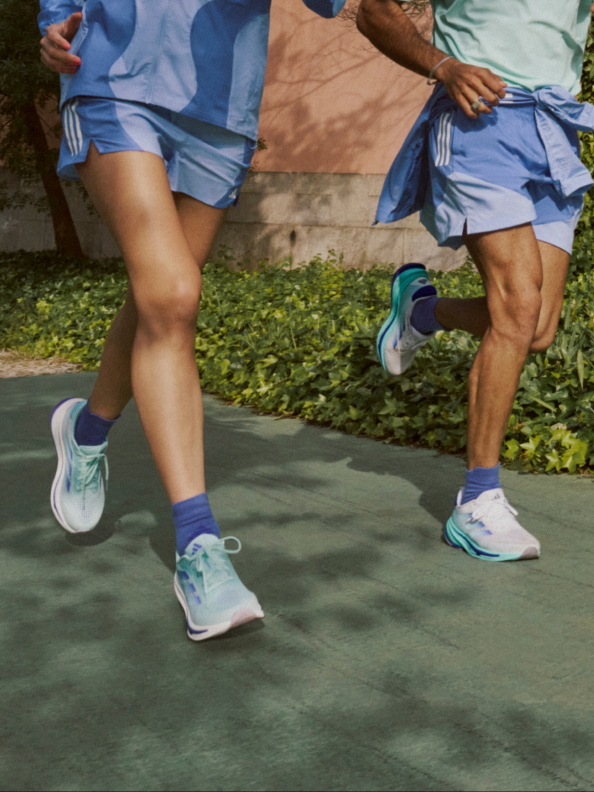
(493, 173)
(205, 161)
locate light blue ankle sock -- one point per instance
(91, 429)
(479, 480)
(191, 518)
(423, 316)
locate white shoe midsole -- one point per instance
(197, 633)
(57, 425)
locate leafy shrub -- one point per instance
(302, 342)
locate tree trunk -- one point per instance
(67, 241)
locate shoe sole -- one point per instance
(60, 412)
(195, 633)
(387, 326)
(459, 540)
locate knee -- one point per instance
(170, 308)
(516, 316)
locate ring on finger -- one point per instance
(477, 105)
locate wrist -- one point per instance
(444, 69)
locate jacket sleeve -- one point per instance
(326, 8)
(53, 11)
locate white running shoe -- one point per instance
(398, 342)
(213, 597)
(78, 491)
(487, 529)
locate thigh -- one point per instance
(200, 223)
(555, 264)
(131, 190)
(508, 261)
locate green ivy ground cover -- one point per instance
(302, 342)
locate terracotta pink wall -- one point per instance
(332, 104)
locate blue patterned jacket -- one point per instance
(202, 58)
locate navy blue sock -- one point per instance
(191, 518)
(423, 316)
(91, 429)
(480, 480)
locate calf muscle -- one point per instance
(510, 265)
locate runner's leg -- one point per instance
(555, 264)
(132, 192)
(524, 283)
(472, 315)
(113, 388)
(510, 265)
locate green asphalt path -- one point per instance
(387, 661)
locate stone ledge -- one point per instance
(279, 214)
(360, 247)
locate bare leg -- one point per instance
(113, 388)
(472, 315)
(132, 192)
(510, 265)
(555, 263)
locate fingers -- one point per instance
(467, 95)
(56, 43)
(71, 25)
(493, 82)
(56, 58)
(486, 88)
(470, 84)
(473, 95)
(466, 105)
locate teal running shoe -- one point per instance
(78, 491)
(213, 597)
(487, 529)
(398, 341)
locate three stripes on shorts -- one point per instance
(444, 140)
(444, 134)
(72, 130)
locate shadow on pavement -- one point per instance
(386, 661)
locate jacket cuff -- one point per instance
(58, 13)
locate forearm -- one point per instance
(477, 90)
(389, 29)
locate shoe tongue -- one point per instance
(490, 495)
(214, 570)
(203, 541)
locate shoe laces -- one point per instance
(500, 504)
(86, 472)
(212, 563)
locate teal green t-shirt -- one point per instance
(528, 43)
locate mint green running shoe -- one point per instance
(398, 341)
(78, 491)
(487, 528)
(213, 597)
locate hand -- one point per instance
(56, 43)
(466, 84)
